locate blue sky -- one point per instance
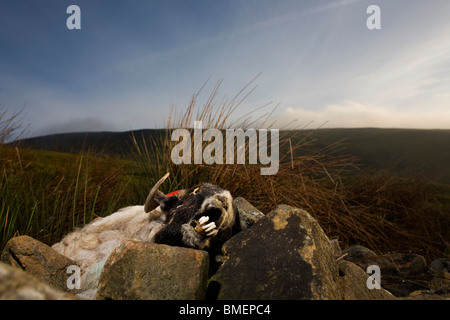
(132, 59)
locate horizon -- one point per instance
(319, 62)
(162, 129)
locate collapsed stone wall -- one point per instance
(284, 254)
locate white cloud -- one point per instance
(351, 114)
(414, 74)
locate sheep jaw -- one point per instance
(207, 230)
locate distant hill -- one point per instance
(419, 152)
(106, 142)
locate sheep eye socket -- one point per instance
(171, 203)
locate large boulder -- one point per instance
(285, 255)
(147, 271)
(38, 259)
(15, 284)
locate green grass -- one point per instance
(45, 194)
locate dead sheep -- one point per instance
(201, 217)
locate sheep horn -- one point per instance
(150, 203)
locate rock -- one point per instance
(401, 274)
(353, 284)
(403, 286)
(336, 248)
(15, 284)
(285, 255)
(403, 263)
(148, 271)
(248, 214)
(38, 259)
(407, 263)
(390, 264)
(440, 268)
(440, 285)
(425, 295)
(356, 252)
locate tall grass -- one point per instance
(413, 213)
(46, 194)
(10, 125)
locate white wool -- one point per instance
(96, 241)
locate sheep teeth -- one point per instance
(203, 220)
(209, 227)
(212, 232)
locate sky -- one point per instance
(316, 61)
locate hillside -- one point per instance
(110, 143)
(414, 152)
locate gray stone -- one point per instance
(440, 285)
(285, 255)
(38, 259)
(401, 273)
(16, 284)
(356, 252)
(353, 284)
(440, 267)
(148, 271)
(394, 263)
(248, 214)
